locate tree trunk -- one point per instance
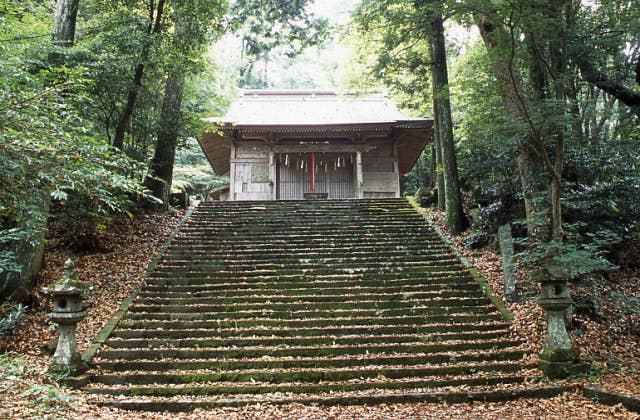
(530, 168)
(125, 116)
(561, 9)
(64, 22)
(154, 28)
(161, 175)
(439, 175)
(442, 106)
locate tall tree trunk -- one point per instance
(562, 11)
(161, 175)
(439, 174)
(154, 28)
(127, 112)
(64, 22)
(440, 83)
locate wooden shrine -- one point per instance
(297, 144)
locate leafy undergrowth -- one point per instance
(28, 392)
(113, 274)
(609, 342)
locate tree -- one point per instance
(195, 26)
(444, 126)
(271, 25)
(154, 27)
(64, 22)
(408, 39)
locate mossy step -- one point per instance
(297, 332)
(250, 289)
(301, 259)
(207, 389)
(307, 351)
(403, 396)
(306, 225)
(295, 280)
(312, 224)
(337, 237)
(311, 267)
(391, 238)
(306, 264)
(268, 254)
(299, 215)
(318, 248)
(426, 269)
(215, 342)
(302, 214)
(312, 362)
(441, 306)
(259, 250)
(270, 297)
(244, 229)
(277, 376)
(189, 320)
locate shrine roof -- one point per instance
(311, 107)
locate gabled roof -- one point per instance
(314, 113)
(311, 107)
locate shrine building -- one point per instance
(313, 144)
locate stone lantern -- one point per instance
(558, 358)
(68, 311)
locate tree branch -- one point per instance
(624, 94)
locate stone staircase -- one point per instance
(334, 302)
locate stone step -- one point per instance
(295, 281)
(273, 253)
(203, 389)
(349, 330)
(298, 260)
(470, 305)
(310, 362)
(305, 351)
(313, 375)
(471, 394)
(425, 268)
(292, 341)
(335, 237)
(297, 289)
(270, 298)
(306, 264)
(317, 248)
(287, 319)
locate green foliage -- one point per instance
(12, 320)
(287, 27)
(49, 150)
(583, 253)
(192, 172)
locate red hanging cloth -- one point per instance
(313, 171)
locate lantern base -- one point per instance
(68, 370)
(561, 363)
(77, 381)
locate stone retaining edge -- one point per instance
(475, 273)
(106, 331)
(602, 396)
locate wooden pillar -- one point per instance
(396, 169)
(272, 175)
(359, 179)
(232, 174)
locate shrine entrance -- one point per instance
(315, 175)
